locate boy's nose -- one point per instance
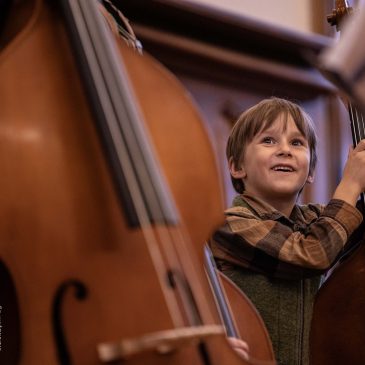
(285, 153)
(284, 149)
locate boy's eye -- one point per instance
(298, 142)
(268, 140)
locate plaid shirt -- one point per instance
(258, 237)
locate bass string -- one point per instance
(171, 241)
(90, 23)
(357, 123)
(358, 132)
(174, 243)
(166, 242)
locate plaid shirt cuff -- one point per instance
(348, 216)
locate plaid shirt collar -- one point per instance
(263, 210)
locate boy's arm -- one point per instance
(319, 244)
(315, 246)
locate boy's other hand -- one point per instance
(353, 178)
(241, 347)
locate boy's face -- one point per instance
(276, 163)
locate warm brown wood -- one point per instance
(319, 11)
(59, 213)
(339, 13)
(337, 330)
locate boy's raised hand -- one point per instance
(353, 178)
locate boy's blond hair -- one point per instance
(258, 118)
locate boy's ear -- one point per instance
(310, 179)
(237, 173)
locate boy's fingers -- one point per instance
(242, 353)
(241, 347)
(360, 146)
(237, 343)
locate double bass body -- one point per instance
(338, 328)
(74, 274)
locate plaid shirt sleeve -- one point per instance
(282, 249)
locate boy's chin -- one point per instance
(286, 192)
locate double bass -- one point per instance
(101, 259)
(240, 317)
(338, 327)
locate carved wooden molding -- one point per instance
(207, 43)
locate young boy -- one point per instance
(274, 249)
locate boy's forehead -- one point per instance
(280, 124)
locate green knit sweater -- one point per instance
(286, 308)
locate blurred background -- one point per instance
(231, 54)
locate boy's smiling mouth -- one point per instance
(283, 168)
